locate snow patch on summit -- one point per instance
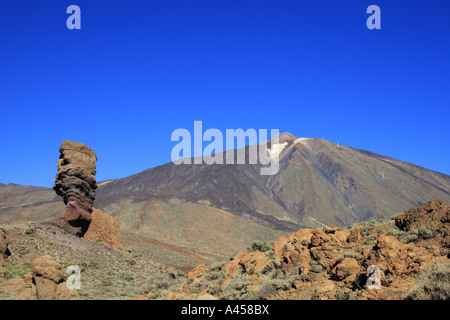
(301, 140)
(276, 149)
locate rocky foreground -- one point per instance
(411, 254)
(34, 259)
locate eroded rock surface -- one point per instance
(75, 183)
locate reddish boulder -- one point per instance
(347, 270)
(431, 214)
(105, 229)
(49, 277)
(19, 289)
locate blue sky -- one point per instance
(137, 70)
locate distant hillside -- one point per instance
(184, 214)
(319, 184)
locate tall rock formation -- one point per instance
(75, 182)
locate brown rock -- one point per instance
(325, 255)
(105, 229)
(4, 242)
(225, 283)
(75, 182)
(76, 172)
(244, 262)
(338, 235)
(19, 289)
(319, 237)
(49, 278)
(279, 245)
(302, 236)
(171, 296)
(379, 230)
(355, 234)
(390, 255)
(347, 270)
(75, 218)
(196, 271)
(431, 214)
(298, 258)
(46, 267)
(325, 286)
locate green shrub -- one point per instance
(162, 284)
(387, 281)
(29, 231)
(262, 246)
(425, 233)
(372, 239)
(236, 289)
(270, 267)
(20, 269)
(127, 276)
(316, 267)
(434, 284)
(370, 224)
(394, 232)
(410, 236)
(349, 254)
(131, 262)
(217, 266)
(279, 284)
(343, 295)
(181, 274)
(218, 275)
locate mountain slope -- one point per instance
(318, 183)
(184, 214)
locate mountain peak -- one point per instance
(286, 136)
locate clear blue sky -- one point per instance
(137, 70)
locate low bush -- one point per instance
(434, 284)
(262, 246)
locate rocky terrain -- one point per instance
(182, 215)
(411, 252)
(34, 259)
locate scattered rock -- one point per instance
(327, 264)
(325, 286)
(140, 298)
(49, 278)
(171, 296)
(431, 214)
(75, 182)
(19, 289)
(247, 262)
(338, 235)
